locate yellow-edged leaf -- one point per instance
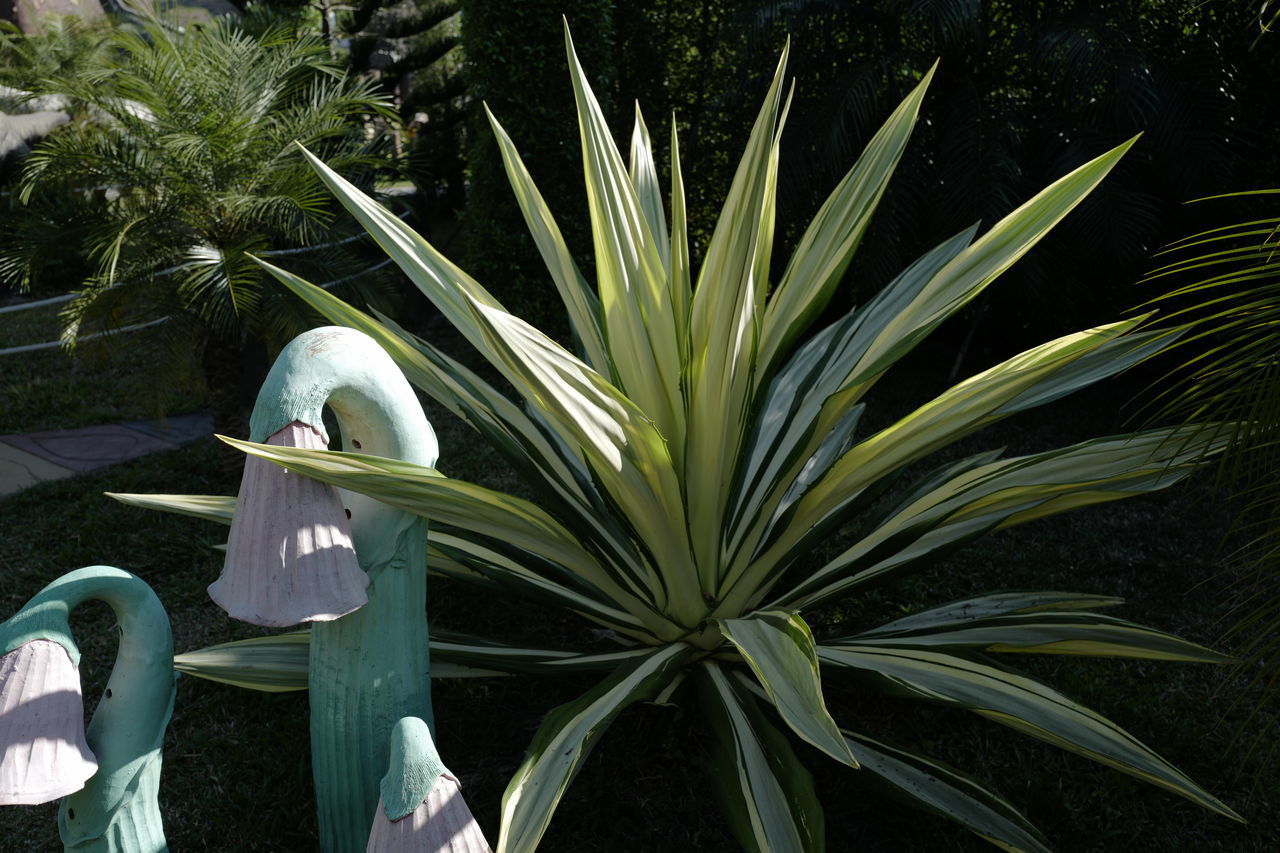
(939, 788)
(639, 323)
(217, 508)
(274, 664)
(582, 304)
(644, 177)
(723, 326)
(1001, 493)
(680, 281)
(1020, 703)
(828, 244)
(566, 736)
(767, 792)
(624, 449)
(780, 650)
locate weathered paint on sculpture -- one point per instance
(421, 809)
(108, 776)
(368, 664)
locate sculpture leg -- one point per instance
(134, 825)
(368, 669)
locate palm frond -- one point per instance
(1223, 293)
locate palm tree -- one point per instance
(1226, 305)
(62, 43)
(1223, 297)
(191, 166)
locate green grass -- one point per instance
(122, 379)
(236, 772)
(30, 326)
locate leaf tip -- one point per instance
(568, 41)
(226, 439)
(1123, 148)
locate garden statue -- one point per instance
(109, 774)
(421, 809)
(296, 551)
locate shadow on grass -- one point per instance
(237, 776)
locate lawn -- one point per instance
(236, 773)
(98, 384)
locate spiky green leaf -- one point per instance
(644, 177)
(625, 451)
(217, 508)
(566, 737)
(973, 269)
(785, 434)
(274, 664)
(579, 299)
(680, 280)
(723, 325)
(780, 650)
(639, 323)
(939, 788)
(828, 244)
(1046, 632)
(767, 793)
(1019, 702)
(999, 604)
(1003, 493)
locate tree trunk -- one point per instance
(231, 394)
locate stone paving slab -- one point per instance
(177, 429)
(19, 469)
(87, 448)
(32, 457)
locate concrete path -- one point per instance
(33, 457)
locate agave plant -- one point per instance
(699, 444)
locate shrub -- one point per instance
(699, 450)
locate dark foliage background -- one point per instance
(516, 64)
(1026, 91)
